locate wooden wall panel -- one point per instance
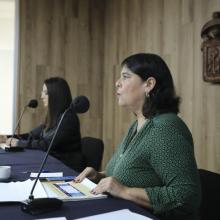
(172, 29)
(85, 42)
(62, 38)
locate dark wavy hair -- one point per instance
(59, 99)
(162, 98)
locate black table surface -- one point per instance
(23, 163)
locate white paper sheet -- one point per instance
(117, 215)
(45, 175)
(3, 145)
(19, 191)
(58, 218)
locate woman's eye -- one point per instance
(125, 77)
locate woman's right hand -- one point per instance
(12, 142)
(88, 172)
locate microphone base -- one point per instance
(41, 205)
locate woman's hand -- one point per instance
(12, 142)
(111, 186)
(115, 188)
(88, 172)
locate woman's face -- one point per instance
(44, 95)
(131, 90)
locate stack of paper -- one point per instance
(20, 191)
(71, 190)
(3, 146)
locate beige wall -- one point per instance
(85, 42)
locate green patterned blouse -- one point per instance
(160, 159)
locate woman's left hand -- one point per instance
(12, 142)
(111, 186)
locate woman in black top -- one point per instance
(56, 97)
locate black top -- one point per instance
(67, 143)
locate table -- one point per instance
(29, 161)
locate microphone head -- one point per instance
(80, 104)
(33, 103)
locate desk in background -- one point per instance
(29, 161)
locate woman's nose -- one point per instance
(117, 83)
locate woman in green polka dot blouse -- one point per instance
(154, 166)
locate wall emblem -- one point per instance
(211, 49)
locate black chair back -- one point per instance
(210, 206)
(92, 150)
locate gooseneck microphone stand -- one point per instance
(18, 122)
(40, 205)
(32, 104)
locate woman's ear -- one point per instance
(149, 84)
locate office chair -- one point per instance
(92, 150)
(210, 206)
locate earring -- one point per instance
(147, 95)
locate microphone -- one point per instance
(80, 104)
(32, 104)
(41, 205)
